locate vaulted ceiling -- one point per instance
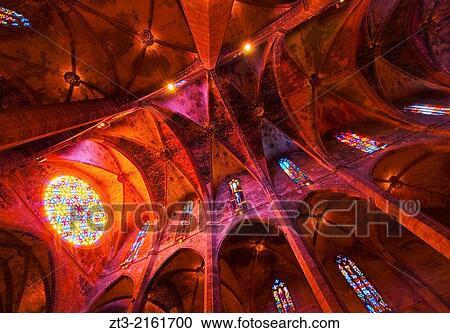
(315, 66)
(120, 47)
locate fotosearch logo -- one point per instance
(327, 218)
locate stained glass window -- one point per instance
(282, 297)
(138, 242)
(367, 293)
(360, 142)
(74, 210)
(294, 172)
(237, 195)
(185, 223)
(181, 83)
(11, 18)
(428, 109)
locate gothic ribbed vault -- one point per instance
(160, 102)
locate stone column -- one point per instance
(213, 298)
(313, 271)
(149, 269)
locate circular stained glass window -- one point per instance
(74, 210)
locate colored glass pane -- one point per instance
(360, 142)
(365, 291)
(74, 210)
(185, 223)
(237, 195)
(139, 241)
(282, 297)
(294, 172)
(428, 109)
(11, 18)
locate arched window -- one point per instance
(185, 223)
(74, 210)
(294, 172)
(282, 297)
(367, 293)
(11, 18)
(237, 199)
(428, 109)
(360, 142)
(138, 242)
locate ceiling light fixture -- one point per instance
(394, 181)
(102, 125)
(171, 86)
(247, 47)
(339, 3)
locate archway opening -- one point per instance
(178, 286)
(26, 273)
(253, 257)
(116, 298)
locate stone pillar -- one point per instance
(313, 271)
(149, 269)
(430, 231)
(213, 298)
(25, 124)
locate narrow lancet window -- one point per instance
(367, 293)
(185, 223)
(237, 199)
(282, 297)
(428, 109)
(360, 142)
(139, 241)
(10, 18)
(294, 172)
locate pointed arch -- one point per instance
(178, 284)
(116, 297)
(253, 254)
(27, 273)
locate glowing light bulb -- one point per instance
(247, 47)
(171, 87)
